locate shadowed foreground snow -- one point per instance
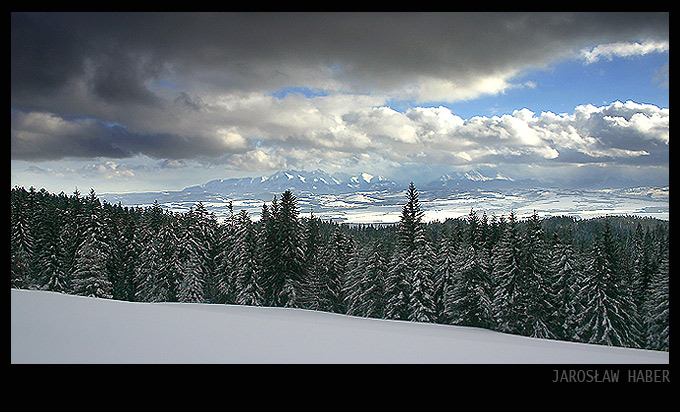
(55, 328)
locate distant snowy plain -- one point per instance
(53, 328)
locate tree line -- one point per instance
(602, 281)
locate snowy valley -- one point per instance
(364, 198)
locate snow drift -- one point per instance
(50, 327)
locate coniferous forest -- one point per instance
(602, 281)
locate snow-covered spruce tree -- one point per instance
(161, 265)
(90, 268)
(191, 288)
(50, 257)
(223, 288)
(469, 300)
(337, 257)
(113, 238)
(166, 285)
(150, 260)
(90, 277)
(509, 301)
(421, 298)
(75, 217)
(247, 282)
(657, 307)
(566, 278)
(610, 315)
(207, 231)
(21, 240)
(314, 265)
(149, 265)
(445, 268)
(409, 222)
(539, 322)
(51, 269)
(269, 253)
(373, 270)
(352, 287)
(290, 266)
(190, 259)
(398, 282)
(642, 265)
(397, 286)
(128, 254)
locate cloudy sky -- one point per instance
(130, 102)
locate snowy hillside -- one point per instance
(54, 328)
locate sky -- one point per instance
(124, 102)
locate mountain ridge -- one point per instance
(321, 182)
(317, 181)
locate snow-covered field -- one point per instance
(384, 206)
(55, 328)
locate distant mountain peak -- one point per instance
(317, 181)
(470, 179)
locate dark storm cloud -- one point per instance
(45, 136)
(248, 48)
(182, 84)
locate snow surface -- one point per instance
(49, 327)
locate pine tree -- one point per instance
(247, 282)
(398, 283)
(509, 293)
(397, 287)
(610, 316)
(410, 220)
(421, 305)
(657, 308)
(566, 278)
(445, 268)
(150, 264)
(113, 238)
(372, 271)
(643, 268)
(50, 257)
(289, 290)
(338, 257)
(51, 271)
(173, 258)
(157, 276)
(190, 257)
(314, 267)
(21, 240)
(90, 276)
(534, 264)
(129, 251)
(269, 254)
(223, 286)
(469, 301)
(206, 230)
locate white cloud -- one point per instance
(108, 170)
(262, 132)
(623, 49)
(616, 132)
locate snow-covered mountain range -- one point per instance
(317, 181)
